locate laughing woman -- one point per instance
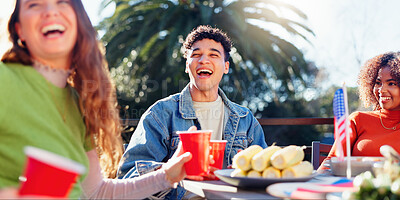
(379, 87)
(56, 94)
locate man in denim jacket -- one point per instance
(201, 103)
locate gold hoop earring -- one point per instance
(20, 44)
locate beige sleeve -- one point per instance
(96, 187)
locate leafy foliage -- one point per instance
(268, 74)
(143, 41)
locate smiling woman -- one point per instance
(50, 36)
(57, 95)
(379, 81)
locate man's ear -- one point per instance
(226, 69)
(187, 67)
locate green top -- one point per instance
(32, 113)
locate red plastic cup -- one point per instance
(48, 174)
(198, 144)
(218, 152)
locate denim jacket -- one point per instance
(155, 137)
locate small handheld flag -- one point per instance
(341, 113)
(339, 121)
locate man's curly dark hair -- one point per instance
(208, 32)
(369, 73)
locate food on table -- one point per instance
(261, 160)
(242, 160)
(304, 168)
(287, 157)
(271, 162)
(271, 172)
(238, 173)
(395, 187)
(254, 174)
(383, 184)
(388, 152)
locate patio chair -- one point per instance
(319, 152)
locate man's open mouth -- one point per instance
(204, 72)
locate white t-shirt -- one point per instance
(211, 116)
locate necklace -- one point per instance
(58, 78)
(393, 128)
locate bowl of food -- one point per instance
(358, 165)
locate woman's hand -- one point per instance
(210, 175)
(174, 168)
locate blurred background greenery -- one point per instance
(268, 74)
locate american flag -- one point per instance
(339, 112)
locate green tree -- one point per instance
(143, 42)
(325, 101)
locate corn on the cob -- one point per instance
(238, 173)
(287, 157)
(304, 168)
(242, 160)
(254, 174)
(271, 172)
(261, 160)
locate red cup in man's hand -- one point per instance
(197, 143)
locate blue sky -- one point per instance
(347, 33)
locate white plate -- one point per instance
(285, 190)
(225, 175)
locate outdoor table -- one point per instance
(221, 190)
(217, 189)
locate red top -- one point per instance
(368, 134)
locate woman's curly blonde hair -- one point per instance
(91, 79)
(369, 73)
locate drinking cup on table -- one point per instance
(198, 144)
(217, 151)
(48, 174)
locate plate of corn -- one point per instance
(251, 182)
(257, 167)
